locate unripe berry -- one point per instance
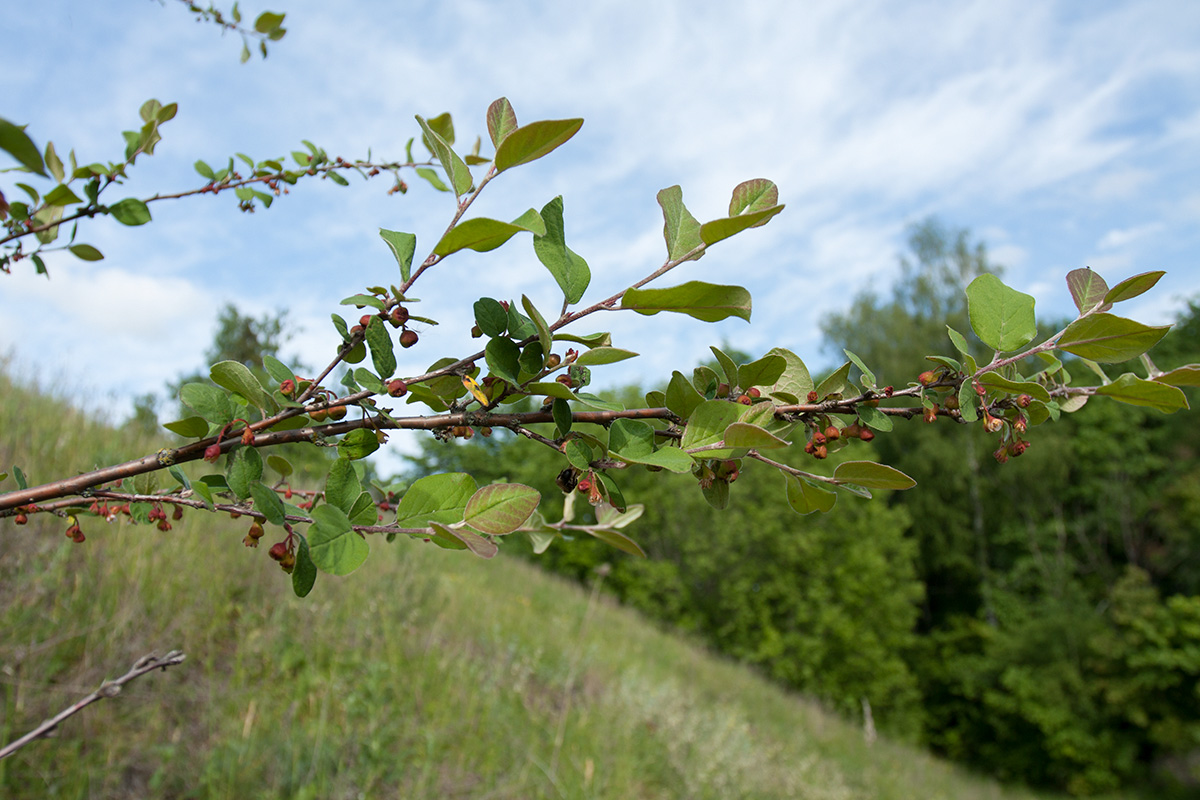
(397, 388)
(364, 320)
(832, 433)
(754, 392)
(927, 377)
(337, 412)
(1024, 400)
(408, 338)
(476, 332)
(318, 414)
(288, 562)
(821, 452)
(357, 329)
(20, 519)
(931, 413)
(553, 360)
(813, 397)
(212, 453)
(177, 514)
(287, 388)
(399, 316)
(818, 439)
(485, 431)
(278, 551)
(722, 390)
(744, 399)
(852, 431)
(565, 380)
(1001, 455)
(866, 435)
(952, 403)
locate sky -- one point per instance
(1061, 134)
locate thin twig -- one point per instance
(111, 688)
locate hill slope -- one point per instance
(426, 674)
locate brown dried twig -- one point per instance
(111, 688)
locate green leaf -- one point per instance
(1132, 287)
(479, 234)
(766, 371)
(992, 380)
(1109, 339)
(369, 381)
(14, 142)
(533, 141)
(236, 377)
(443, 125)
(502, 358)
(872, 475)
(402, 245)
(501, 508)
(1187, 375)
(463, 539)
(501, 120)
(188, 427)
(682, 397)
(358, 443)
(1002, 317)
(958, 340)
(868, 377)
(804, 498)
(519, 325)
(741, 434)
(795, 379)
(364, 511)
(874, 418)
(435, 498)
(545, 338)
(704, 301)
(242, 468)
(456, 170)
(280, 465)
(716, 495)
(633, 440)
(332, 543)
(620, 541)
(304, 573)
(1088, 289)
(560, 409)
(86, 252)
(680, 228)
(268, 21)
(707, 424)
(1137, 392)
(611, 517)
(267, 502)
(966, 401)
(207, 401)
(342, 486)
(130, 211)
(721, 229)
(61, 196)
(277, 369)
(603, 355)
(727, 365)
(434, 179)
(383, 354)
(568, 268)
(491, 317)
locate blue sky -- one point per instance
(1062, 134)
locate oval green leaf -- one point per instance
(332, 543)
(532, 141)
(872, 475)
(501, 508)
(1002, 317)
(704, 301)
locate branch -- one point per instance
(107, 689)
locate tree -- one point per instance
(712, 426)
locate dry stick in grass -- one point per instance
(107, 689)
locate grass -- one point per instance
(427, 673)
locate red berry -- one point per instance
(278, 551)
(408, 338)
(397, 388)
(812, 397)
(866, 435)
(212, 453)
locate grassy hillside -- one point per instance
(426, 674)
